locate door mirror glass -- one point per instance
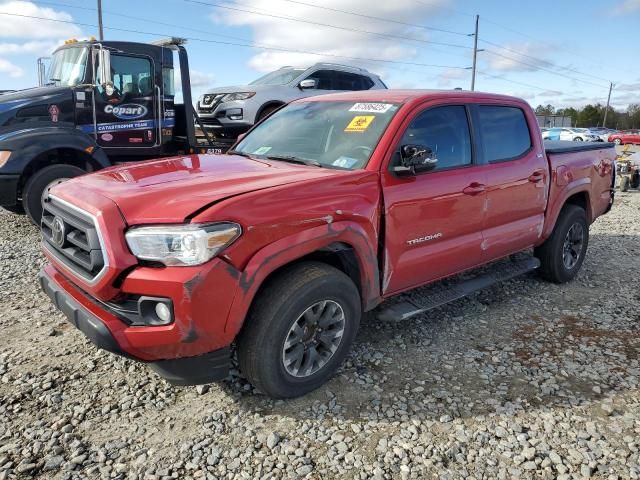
(415, 159)
(307, 84)
(104, 63)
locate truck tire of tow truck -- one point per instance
(562, 254)
(299, 330)
(40, 183)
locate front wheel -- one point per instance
(577, 139)
(299, 330)
(617, 141)
(39, 185)
(562, 254)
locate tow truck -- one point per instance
(103, 103)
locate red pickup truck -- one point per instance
(325, 210)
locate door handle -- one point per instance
(537, 176)
(474, 189)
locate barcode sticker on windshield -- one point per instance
(371, 107)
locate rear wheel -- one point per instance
(577, 139)
(40, 183)
(562, 254)
(300, 330)
(617, 141)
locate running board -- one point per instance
(419, 301)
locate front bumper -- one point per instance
(8, 190)
(182, 358)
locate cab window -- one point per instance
(505, 132)
(132, 76)
(445, 130)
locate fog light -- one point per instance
(234, 114)
(163, 312)
(155, 311)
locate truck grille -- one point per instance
(71, 236)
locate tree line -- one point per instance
(593, 115)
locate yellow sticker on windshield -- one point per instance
(360, 123)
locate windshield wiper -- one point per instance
(293, 159)
(238, 152)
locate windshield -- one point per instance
(68, 66)
(279, 77)
(331, 134)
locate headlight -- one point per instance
(4, 157)
(230, 97)
(181, 245)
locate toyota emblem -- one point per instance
(58, 231)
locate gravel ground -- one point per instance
(526, 379)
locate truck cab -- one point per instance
(102, 103)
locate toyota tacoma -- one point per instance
(333, 206)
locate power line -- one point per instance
(538, 67)
(310, 22)
(371, 17)
(249, 45)
(541, 60)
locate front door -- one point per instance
(127, 117)
(434, 220)
(517, 180)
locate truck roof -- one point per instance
(404, 96)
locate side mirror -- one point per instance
(241, 136)
(307, 84)
(104, 60)
(415, 159)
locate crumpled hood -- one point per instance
(173, 189)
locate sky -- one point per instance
(562, 52)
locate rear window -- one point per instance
(505, 133)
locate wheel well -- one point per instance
(581, 199)
(339, 255)
(69, 156)
(268, 105)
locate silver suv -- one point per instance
(229, 111)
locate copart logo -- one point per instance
(127, 111)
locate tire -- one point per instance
(300, 289)
(267, 111)
(42, 181)
(577, 139)
(555, 267)
(617, 141)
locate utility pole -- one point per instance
(475, 54)
(100, 32)
(604, 122)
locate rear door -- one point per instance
(433, 220)
(517, 179)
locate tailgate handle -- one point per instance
(537, 176)
(474, 189)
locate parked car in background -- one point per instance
(230, 111)
(625, 136)
(602, 132)
(571, 134)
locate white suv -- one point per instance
(229, 111)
